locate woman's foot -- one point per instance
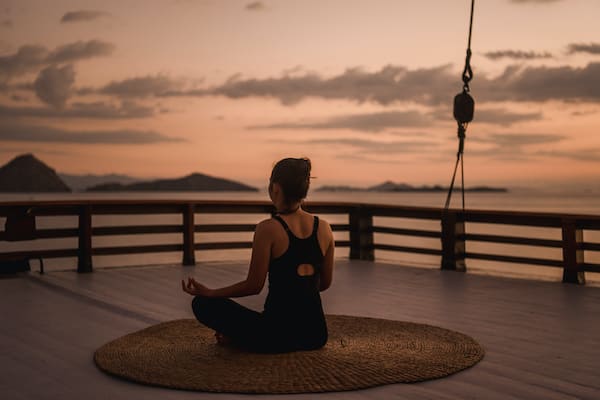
(222, 339)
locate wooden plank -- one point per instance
(328, 208)
(50, 233)
(33, 254)
(361, 234)
(342, 243)
(84, 257)
(591, 267)
(513, 240)
(590, 246)
(225, 228)
(135, 230)
(42, 208)
(407, 232)
(132, 207)
(513, 218)
(572, 239)
(223, 245)
(453, 243)
(340, 227)
(188, 235)
(234, 207)
(406, 249)
(523, 325)
(515, 259)
(405, 212)
(136, 209)
(153, 248)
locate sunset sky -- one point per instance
(163, 88)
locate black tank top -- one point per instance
(294, 299)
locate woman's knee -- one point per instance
(200, 305)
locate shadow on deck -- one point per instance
(541, 338)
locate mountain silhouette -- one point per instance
(194, 182)
(79, 183)
(25, 173)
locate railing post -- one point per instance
(453, 242)
(84, 257)
(361, 234)
(189, 257)
(572, 239)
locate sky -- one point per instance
(164, 88)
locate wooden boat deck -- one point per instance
(542, 339)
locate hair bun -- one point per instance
(293, 175)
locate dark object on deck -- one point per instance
(361, 353)
(14, 266)
(19, 226)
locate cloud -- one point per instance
(26, 59)
(428, 86)
(38, 133)
(82, 15)
(535, 1)
(516, 55)
(95, 110)
(53, 85)
(388, 85)
(30, 58)
(142, 86)
(518, 140)
(373, 146)
(496, 116)
(583, 113)
(591, 48)
(79, 51)
(373, 122)
(373, 151)
(513, 147)
(255, 6)
(542, 84)
(17, 98)
(588, 154)
(503, 117)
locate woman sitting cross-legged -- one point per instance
(296, 250)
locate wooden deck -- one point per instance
(542, 339)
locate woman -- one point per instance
(296, 250)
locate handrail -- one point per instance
(360, 227)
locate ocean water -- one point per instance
(523, 199)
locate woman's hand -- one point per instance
(195, 288)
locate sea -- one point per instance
(553, 200)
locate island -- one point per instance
(389, 186)
(27, 174)
(195, 182)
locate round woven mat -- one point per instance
(361, 352)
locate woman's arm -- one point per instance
(327, 271)
(257, 273)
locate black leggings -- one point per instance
(247, 328)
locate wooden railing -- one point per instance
(452, 235)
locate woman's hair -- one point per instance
(293, 175)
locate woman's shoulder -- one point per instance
(324, 225)
(266, 224)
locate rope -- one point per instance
(464, 106)
(468, 72)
